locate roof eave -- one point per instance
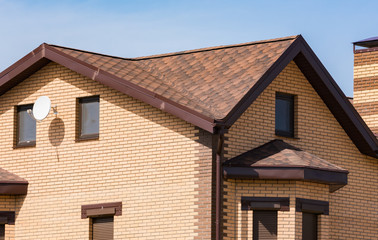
(332, 178)
(43, 54)
(13, 188)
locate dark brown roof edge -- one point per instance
(326, 87)
(45, 53)
(291, 166)
(363, 50)
(13, 188)
(288, 173)
(336, 101)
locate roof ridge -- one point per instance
(90, 52)
(182, 52)
(216, 48)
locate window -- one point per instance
(310, 210)
(309, 226)
(265, 210)
(264, 225)
(26, 127)
(102, 219)
(284, 115)
(89, 110)
(102, 228)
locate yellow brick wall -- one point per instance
(145, 158)
(353, 212)
(239, 223)
(365, 97)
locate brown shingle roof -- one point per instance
(278, 153)
(209, 88)
(197, 79)
(7, 177)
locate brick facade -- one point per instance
(317, 132)
(162, 168)
(366, 87)
(151, 161)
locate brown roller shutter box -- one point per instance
(102, 228)
(309, 226)
(264, 225)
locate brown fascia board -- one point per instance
(45, 53)
(336, 101)
(325, 86)
(13, 188)
(336, 178)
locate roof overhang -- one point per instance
(336, 179)
(13, 188)
(43, 54)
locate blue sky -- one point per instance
(145, 27)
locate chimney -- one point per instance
(365, 98)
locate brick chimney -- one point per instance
(366, 81)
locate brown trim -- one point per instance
(130, 89)
(101, 209)
(336, 101)
(16, 131)
(79, 101)
(8, 217)
(336, 178)
(13, 188)
(219, 183)
(45, 53)
(325, 86)
(265, 203)
(312, 206)
(373, 49)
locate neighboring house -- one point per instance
(248, 141)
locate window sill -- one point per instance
(285, 135)
(88, 137)
(25, 145)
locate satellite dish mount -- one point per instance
(41, 108)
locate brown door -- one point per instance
(264, 225)
(309, 226)
(102, 228)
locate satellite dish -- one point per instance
(41, 108)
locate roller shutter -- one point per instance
(309, 226)
(264, 225)
(2, 231)
(102, 228)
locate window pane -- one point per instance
(90, 117)
(26, 126)
(284, 115)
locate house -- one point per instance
(248, 141)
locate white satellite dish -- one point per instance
(41, 108)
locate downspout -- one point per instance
(218, 187)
